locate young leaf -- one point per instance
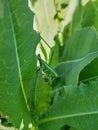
(17, 59)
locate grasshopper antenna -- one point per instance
(45, 42)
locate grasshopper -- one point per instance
(46, 67)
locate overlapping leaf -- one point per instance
(78, 53)
(75, 107)
(86, 16)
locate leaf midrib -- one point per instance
(17, 55)
(77, 60)
(42, 121)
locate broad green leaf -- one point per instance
(39, 95)
(70, 70)
(17, 59)
(80, 50)
(74, 106)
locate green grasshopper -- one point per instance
(49, 72)
(40, 87)
(46, 67)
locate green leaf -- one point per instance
(17, 59)
(70, 70)
(78, 53)
(75, 107)
(83, 16)
(43, 51)
(54, 54)
(76, 18)
(96, 14)
(90, 71)
(88, 15)
(39, 95)
(80, 44)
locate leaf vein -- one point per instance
(17, 58)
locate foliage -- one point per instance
(17, 59)
(58, 92)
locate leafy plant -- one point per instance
(58, 92)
